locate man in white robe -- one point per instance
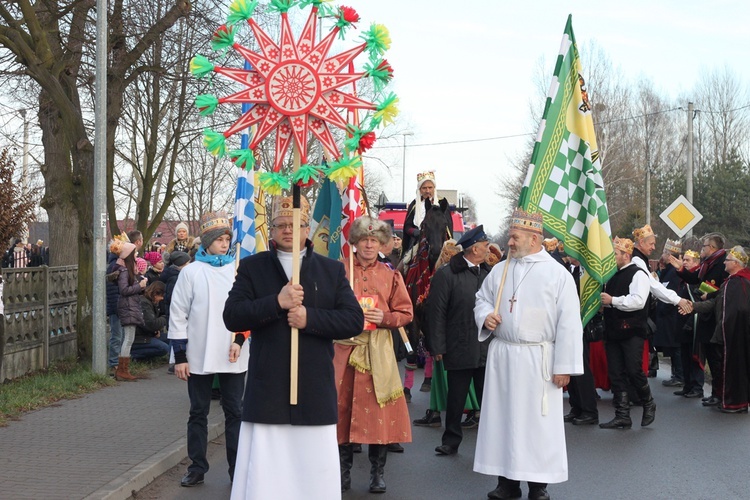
(537, 346)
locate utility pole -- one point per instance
(25, 169)
(689, 166)
(99, 310)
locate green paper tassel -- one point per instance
(381, 73)
(377, 40)
(206, 104)
(223, 38)
(243, 158)
(214, 142)
(274, 183)
(306, 175)
(200, 66)
(241, 10)
(344, 169)
(387, 110)
(324, 10)
(281, 6)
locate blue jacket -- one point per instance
(332, 313)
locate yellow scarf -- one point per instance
(373, 354)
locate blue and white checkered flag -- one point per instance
(244, 202)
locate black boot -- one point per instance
(506, 489)
(621, 402)
(346, 459)
(649, 405)
(538, 491)
(377, 453)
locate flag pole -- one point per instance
(296, 221)
(502, 285)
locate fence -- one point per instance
(40, 317)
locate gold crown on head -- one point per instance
(739, 253)
(643, 232)
(550, 244)
(693, 254)
(623, 245)
(426, 176)
(214, 220)
(526, 221)
(673, 247)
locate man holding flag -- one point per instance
(533, 314)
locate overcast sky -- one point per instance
(465, 71)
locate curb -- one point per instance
(152, 467)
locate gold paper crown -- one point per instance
(526, 221)
(623, 245)
(282, 207)
(214, 220)
(693, 254)
(642, 232)
(739, 253)
(426, 176)
(550, 244)
(673, 246)
(115, 246)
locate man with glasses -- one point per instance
(278, 439)
(709, 276)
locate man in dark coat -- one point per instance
(709, 276)
(323, 308)
(453, 333)
(415, 212)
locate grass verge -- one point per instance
(65, 379)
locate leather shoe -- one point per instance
(732, 410)
(586, 420)
(444, 449)
(694, 394)
(672, 382)
(395, 448)
(568, 417)
(191, 479)
(504, 492)
(681, 392)
(539, 494)
(713, 401)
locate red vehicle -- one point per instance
(397, 213)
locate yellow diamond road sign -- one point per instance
(681, 216)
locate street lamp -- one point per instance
(403, 180)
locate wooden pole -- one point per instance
(502, 285)
(405, 340)
(296, 220)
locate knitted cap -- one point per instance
(214, 225)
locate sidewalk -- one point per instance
(101, 446)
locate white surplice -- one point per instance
(521, 433)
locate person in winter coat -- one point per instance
(128, 306)
(149, 338)
(177, 260)
(453, 339)
(183, 242)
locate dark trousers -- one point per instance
(582, 390)
(715, 358)
(199, 390)
(624, 363)
(458, 388)
(692, 372)
(675, 354)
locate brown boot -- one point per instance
(123, 370)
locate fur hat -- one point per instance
(178, 258)
(214, 225)
(366, 226)
(450, 248)
(494, 255)
(126, 249)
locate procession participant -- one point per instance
(415, 212)
(732, 333)
(203, 347)
(625, 301)
(296, 443)
(450, 313)
(537, 346)
(709, 276)
(692, 365)
(371, 405)
(665, 337)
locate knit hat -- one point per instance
(178, 258)
(126, 249)
(181, 225)
(141, 265)
(214, 225)
(153, 257)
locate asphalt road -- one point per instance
(688, 452)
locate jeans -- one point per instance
(152, 349)
(115, 339)
(199, 390)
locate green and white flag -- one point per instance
(564, 181)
